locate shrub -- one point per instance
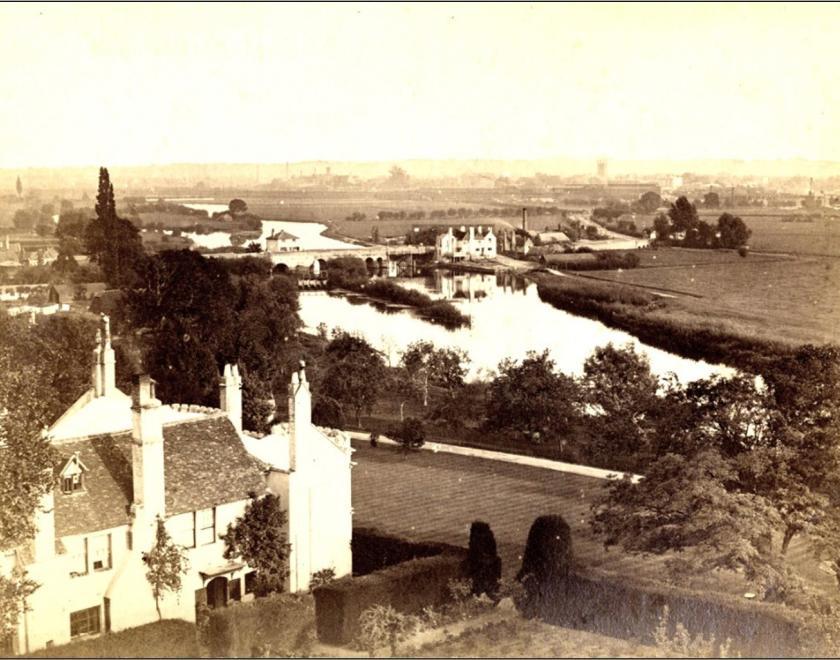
(446, 314)
(410, 433)
(743, 251)
(546, 563)
(380, 625)
(283, 623)
(373, 551)
(408, 588)
(322, 577)
(484, 566)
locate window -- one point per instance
(235, 589)
(99, 549)
(80, 558)
(71, 483)
(84, 622)
(205, 526)
(182, 529)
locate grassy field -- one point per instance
(792, 299)
(165, 639)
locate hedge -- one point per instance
(283, 623)
(620, 608)
(373, 550)
(408, 587)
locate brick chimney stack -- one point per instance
(524, 219)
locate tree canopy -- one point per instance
(683, 215)
(733, 231)
(531, 398)
(355, 373)
(258, 537)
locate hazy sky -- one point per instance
(163, 83)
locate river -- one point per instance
(310, 234)
(508, 320)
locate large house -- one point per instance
(466, 243)
(127, 460)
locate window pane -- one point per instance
(100, 552)
(84, 622)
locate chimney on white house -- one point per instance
(147, 456)
(300, 416)
(230, 395)
(104, 370)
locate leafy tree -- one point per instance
(256, 405)
(618, 384)
(735, 468)
(14, 590)
(650, 201)
(165, 564)
(111, 241)
(733, 231)
(531, 398)
(426, 365)
(184, 366)
(354, 375)
(346, 272)
(711, 200)
(237, 206)
(662, 227)
(24, 219)
(683, 215)
(258, 536)
(192, 295)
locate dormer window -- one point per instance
(71, 484)
(73, 475)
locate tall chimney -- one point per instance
(524, 219)
(147, 458)
(230, 395)
(300, 417)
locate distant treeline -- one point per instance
(458, 213)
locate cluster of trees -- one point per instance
(45, 367)
(734, 468)
(682, 219)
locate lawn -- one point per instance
(521, 638)
(165, 639)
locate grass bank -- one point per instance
(661, 323)
(163, 639)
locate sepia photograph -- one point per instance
(452, 330)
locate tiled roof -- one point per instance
(283, 236)
(205, 464)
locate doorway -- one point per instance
(217, 592)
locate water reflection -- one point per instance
(508, 320)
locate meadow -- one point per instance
(795, 299)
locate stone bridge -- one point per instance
(397, 259)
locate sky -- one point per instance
(133, 84)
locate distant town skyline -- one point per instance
(131, 85)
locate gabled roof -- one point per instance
(205, 465)
(283, 236)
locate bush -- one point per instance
(743, 251)
(633, 610)
(408, 588)
(283, 623)
(446, 314)
(410, 433)
(373, 551)
(380, 625)
(546, 563)
(484, 566)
